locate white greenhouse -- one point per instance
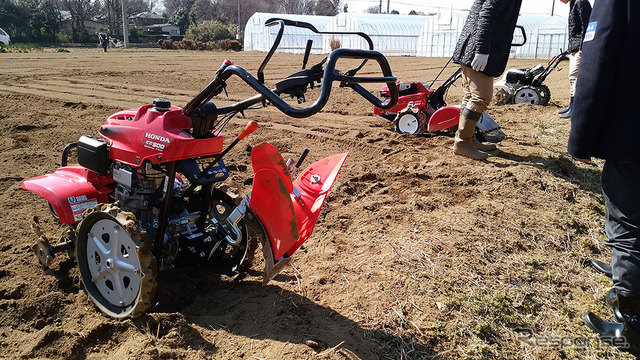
(546, 35)
(392, 35)
(259, 37)
(402, 35)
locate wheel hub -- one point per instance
(113, 262)
(411, 121)
(527, 95)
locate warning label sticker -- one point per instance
(81, 204)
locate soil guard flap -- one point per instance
(444, 118)
(271, 198)
(70, 190)
(313, 184)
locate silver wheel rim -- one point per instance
(527, 96)
(113, 262)
(408, 124)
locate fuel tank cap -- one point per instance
(161, 105)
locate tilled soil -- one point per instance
(417, 254)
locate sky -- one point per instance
(404, 6)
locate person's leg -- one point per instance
(478, 90)
(481, 97)
(620, 182)
(574, 64)
(466, 91)
(622, 224)
(480, 87)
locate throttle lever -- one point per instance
(226, 63)
(303, 156)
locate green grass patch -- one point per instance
(21, 48)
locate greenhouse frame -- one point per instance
(259, 37)
(402, 35)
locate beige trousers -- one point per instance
(477, 88)
(574, 64)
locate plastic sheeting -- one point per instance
(546, 35)
(259, 37)
(401, 35)
(392, 35)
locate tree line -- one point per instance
(40, 21)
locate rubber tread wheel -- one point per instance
(408, 121)
(115, 261)
(545, 94)
(527, 95)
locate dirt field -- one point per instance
(418, 253)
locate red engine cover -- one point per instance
(412, 94)
(143, 134)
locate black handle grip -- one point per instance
(330, 75)
(524, 36)
(302, 157)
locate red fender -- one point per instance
(444, 118)
(289, 219)
(70, 190)
(314, 184)
(271, 198)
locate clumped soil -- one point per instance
(417, 254)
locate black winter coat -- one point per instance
(488, 30)
(605, 121)
(579, 13)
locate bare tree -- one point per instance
(228, 10)
(203, 10)
(297, 6)
(171, 6)
(372, 10)
(80, 10)
(111, 12)
(138, 6)
(327, 7)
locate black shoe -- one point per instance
(602, 268)
(624, 336)
(566, 114)
(562, 111)
(612, 302)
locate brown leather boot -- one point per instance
(463, 141)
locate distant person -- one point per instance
(605, 124)
(482, 52)
(103, 39)
(579, 12)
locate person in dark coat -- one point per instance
(482, 52)
(579, 12)
(104, 40)
(605, 124)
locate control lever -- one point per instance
(226, 63)
(248, 129)
(307, 52)
(294, 168)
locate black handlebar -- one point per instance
(329, 75)
(524, 36)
